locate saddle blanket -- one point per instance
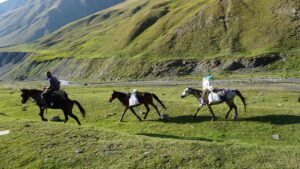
(214, 98)
(133, 100)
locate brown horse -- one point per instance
(143, 98)
(66, 105)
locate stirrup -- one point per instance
(44, 107)
(203, 102)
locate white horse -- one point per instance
(228, 98)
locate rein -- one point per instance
(196, 93)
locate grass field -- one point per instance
(179, 142)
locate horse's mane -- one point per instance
(32, 90)
(127, 93)
(196, 89)
(119, 92)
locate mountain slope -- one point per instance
(10, 5)
(180, 29)
(141, 39)
(24, 21)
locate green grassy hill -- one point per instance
(156, 29)
(160, 38)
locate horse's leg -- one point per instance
(230, 105)
(42, 114)
(66, 116)
(199, 108)
(66, 110)
(69, 112)
(236, 112)
(135, 114)
(74, 117)
(148, 109)
(212, 113)
(155, 107)
(123, 114)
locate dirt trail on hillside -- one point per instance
(259, 83)
(242, 84)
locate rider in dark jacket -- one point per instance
(54, 85)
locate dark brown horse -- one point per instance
(228, 99)
(66, 105)
(143, 98)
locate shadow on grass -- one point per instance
(175, 137)
(57, 121)
(3, 114)
(275, 119)
(185, 119)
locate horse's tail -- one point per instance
(80, 107)
(159, 101)
(242, 98)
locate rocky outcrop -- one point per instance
(16, 66)
(260, 61)
(186, 67)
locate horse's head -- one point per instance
(24, 95)
(113, 96)
(186, 92)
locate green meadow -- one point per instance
(180, 142)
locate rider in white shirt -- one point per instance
(207, 86)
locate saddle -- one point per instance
(220, 92)
(137, 94)
(217, 95)
(57, 98)
(60, 94)
(224, 93)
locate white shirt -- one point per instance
(208, 83)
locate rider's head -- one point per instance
(48, 74)
(207, 73)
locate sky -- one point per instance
(2, 1)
